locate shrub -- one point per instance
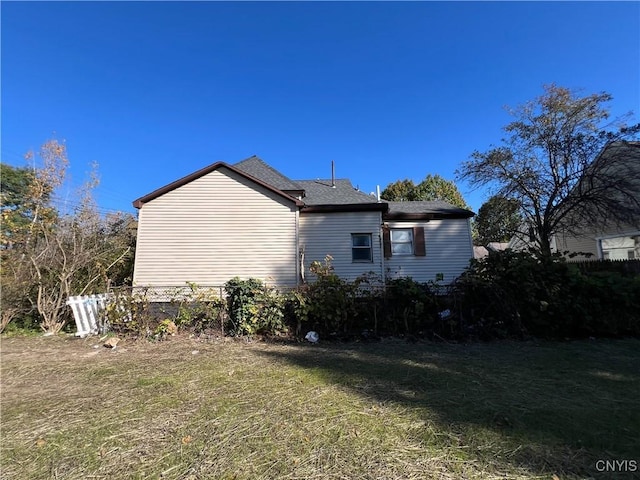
(339, 308)
(128, 313)
(254, 308)
(198, 309)
(334, 306)
(608, 304)
(520, 294)
(410, 307)
(165, 328)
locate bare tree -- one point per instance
(566, 163)
(58, 254)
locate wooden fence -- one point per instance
(629, 267)
(89, 314)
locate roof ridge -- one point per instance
(256, 160)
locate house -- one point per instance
(249, 220)
(604, 238)
(480, 252)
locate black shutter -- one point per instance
(418, 242)
(386, 242)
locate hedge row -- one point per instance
(506, 295)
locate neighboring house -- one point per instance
(606, 240)
(614, 244)
(482, 252)
(249, 220)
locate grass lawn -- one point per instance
(185, 409)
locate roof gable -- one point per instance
(319, 195)
(204, 171)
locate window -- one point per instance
(401, 241)
(361, 250)
(618, 248)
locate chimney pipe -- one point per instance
(333, 174)
(378, 192)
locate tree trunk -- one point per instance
(545, 246)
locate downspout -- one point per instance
(599, 249)
(380, 240)
(297, 248)
(381, 250)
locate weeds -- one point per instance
(231, 409)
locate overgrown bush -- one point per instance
(410, 307)
(254, 308)
(606, 304)
(198, 309)
(128, 313)
(521, 294)
(506, 295)
(334, 306)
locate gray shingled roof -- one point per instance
(257, 168)
(435, 207)
(320, 192)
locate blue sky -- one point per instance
(153, 91)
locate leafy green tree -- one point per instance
(400, 191)
(19, 210)
(15, 183)
(19, 205)
(433, 187)
(550, 163)
(497, 220)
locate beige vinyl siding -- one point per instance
(214, 228)
(324, 234)
(448, 251)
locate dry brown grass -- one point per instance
(230, 409)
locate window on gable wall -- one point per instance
(403, 242)
(361, 250)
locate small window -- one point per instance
(402, 241)
(361, 250)
(631, 254)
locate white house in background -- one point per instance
(613, 243)
(249, 220)
(605, 240)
